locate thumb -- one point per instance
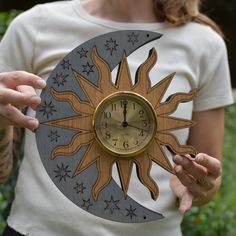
(185, 202)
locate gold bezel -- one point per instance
(104, 102)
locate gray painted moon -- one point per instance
(111, 204)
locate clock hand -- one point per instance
(124, 123)
(136, 127)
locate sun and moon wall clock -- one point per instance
(88, 124)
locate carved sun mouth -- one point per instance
(82, 124)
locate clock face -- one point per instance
(124, 123)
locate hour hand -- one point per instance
(136, 127)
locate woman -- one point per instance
(39, 38)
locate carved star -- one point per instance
(62, 172)
(133, 38)
(79, 188)
(47, 109)
(66, 64)
(83, 53)
(88, 68)
(60, 79)
(112, 204)
(86, 204)
(131, 211)
(54, 136)
(111, 45)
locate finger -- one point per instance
(17, 98)
(35, 106)
(10, 115)
(194, 187)
(190, 166)
(207, 181)
(30, 91)
(212, 164)
(26, 89)
(16, 78)
(186, 202)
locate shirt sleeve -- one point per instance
(18, 44)
(214, 88)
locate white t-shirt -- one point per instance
(37, 40)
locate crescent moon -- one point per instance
(111, 204)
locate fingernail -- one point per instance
(183, 209)
(33, 123)
(199, 158)
(177, 169)
(177, 158)
(40, 83)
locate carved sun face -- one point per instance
(85, 133)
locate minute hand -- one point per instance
(125, 111)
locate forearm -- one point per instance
(17, 90)
(6, 156)
(207, 137)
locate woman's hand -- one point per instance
(196, 180)
(17, 91)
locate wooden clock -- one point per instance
(125, 124)
(88, 124)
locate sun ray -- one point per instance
(92, 154)
(156, 154)
(124, 167)
(171, 142)
(75, 144)
(75, 123)
(142, 80)
(124, 81)
(104, 166)
(156, 93)
(171, 104)
(104, 73)
(92, 92)
(143, 165)
(166, 123)
(104, 83)
(75, 102)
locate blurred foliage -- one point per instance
(6, 190)
(217, 218)
(6, 197)
(214, 219)
(223, 12)
(6, 5)
(5, 19)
